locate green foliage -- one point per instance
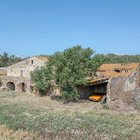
(69, 94)
(71, 68)
(42, 79)
(98, 60)
(6, 61)
(68, 69)
(13, 59)
(114, 58)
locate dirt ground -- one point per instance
(54, 103)
(107, 116)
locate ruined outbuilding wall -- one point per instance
(132, 81)
(25, 67)
(132, 98)
(115, 88)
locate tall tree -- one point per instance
(42, 77)
(5, 59)
(70, 70)
(13, 59)
(97, 61)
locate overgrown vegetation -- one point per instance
(65, 121)
(42, 77)
(67, 70)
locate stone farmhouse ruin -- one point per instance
(113, 80)
(18, 75)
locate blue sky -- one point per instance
(34, 27)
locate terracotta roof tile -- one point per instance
(41, 57)
(2, 72)
(106, 71)
(115, 70)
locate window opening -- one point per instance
(32, 61)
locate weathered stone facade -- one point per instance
(115, 88)
(132, 81)
(25, 67)
(18, 76)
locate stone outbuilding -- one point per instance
(113, 80)
(18, 75)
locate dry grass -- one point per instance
(7, 134)
(28, 116)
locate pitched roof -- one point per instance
(39, 57)
(42, 58)
(106, 71)
(3, 72)
(115, 70)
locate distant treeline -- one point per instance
(6, 60)
(114, 58)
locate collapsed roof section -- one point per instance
(115, 70)
(107, 71)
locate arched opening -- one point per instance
(10, 85)
(22, 87)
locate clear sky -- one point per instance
(34, 27)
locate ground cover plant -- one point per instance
(34, 117)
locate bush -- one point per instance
(69, 94)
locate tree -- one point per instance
(70, 69)
(114, 58)
(97, 61)
(42, 79)
(4, 59)
(13, 59)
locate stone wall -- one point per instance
(25, 67)
(115, 88)
(122, 87)
(132, 98)
(132, 81)
(17, 82)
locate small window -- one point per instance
(21, 73)
(32, 61)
